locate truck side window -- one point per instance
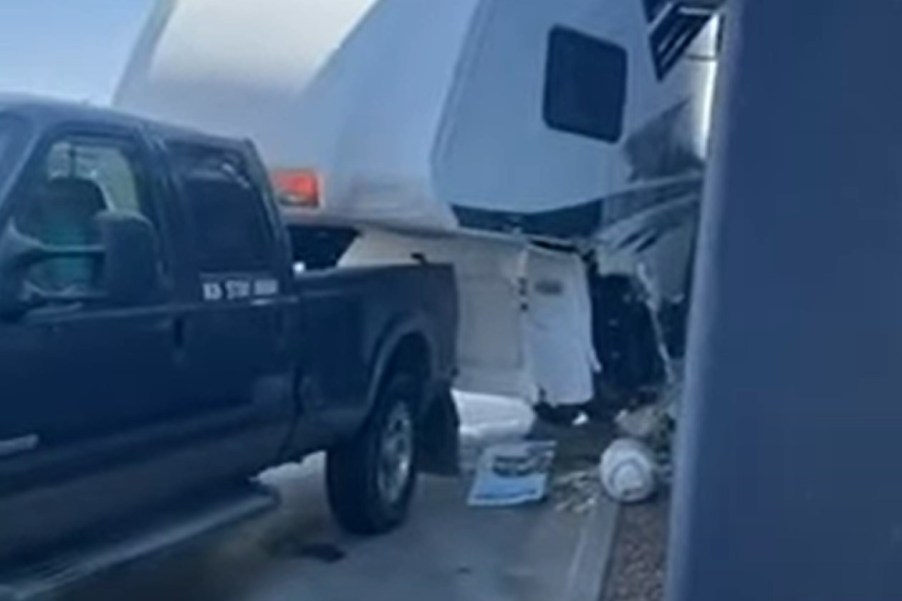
(226, 209)
(78, 178)
(585, 87)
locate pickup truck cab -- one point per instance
(159, 348)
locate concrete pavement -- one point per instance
(447, 552)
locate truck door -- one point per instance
(235, 330)
(78, 372)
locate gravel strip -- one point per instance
(636, 571)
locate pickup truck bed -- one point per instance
(156, 344)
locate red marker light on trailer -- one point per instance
(297, 187)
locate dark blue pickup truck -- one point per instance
(159, 348)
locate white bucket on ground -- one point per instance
(628, 471)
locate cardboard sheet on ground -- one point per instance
(512, 474)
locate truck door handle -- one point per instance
(178, 331)
(178, 338)
(283, 329)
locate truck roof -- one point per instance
(47, 112)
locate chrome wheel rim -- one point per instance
(396, 454)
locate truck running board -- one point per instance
(155, 536)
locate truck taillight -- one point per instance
(298, 187)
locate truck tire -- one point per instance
(370, 480)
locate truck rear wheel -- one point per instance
(370, 480)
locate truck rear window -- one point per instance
(225, 207)
(5, 138)
(9, 130)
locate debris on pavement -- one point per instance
(512, 474)
(575, 492)
(296, 548)
(645, 423)
(654, 423)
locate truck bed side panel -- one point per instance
(352, 321)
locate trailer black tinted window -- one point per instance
(673, 36)
(653, 8)
(585, 86)
(225, 207)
